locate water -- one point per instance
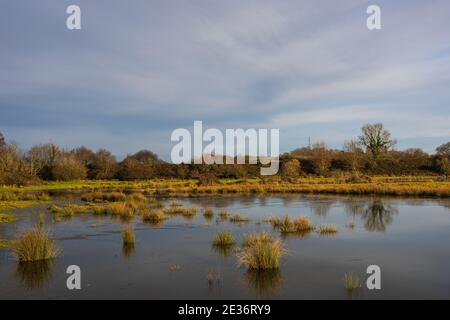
(408, 238)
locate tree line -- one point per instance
(372, 153)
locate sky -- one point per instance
(137, 70)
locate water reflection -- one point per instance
(224, 251)
(264, 282)
(377, 215)
(128, 250)
(321, 208)
(34, 275)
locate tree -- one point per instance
(354, 155)
(321, 158)
(443, 149)
(66, 167)
(104, 165)
(444, 166)
(291, 168)
(376, 139)
(41, 158)
(2, 140)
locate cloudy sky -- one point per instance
(139, 69)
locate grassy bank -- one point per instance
(397, 186)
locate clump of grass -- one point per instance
(238, 218)
(69, 210)
(4, 217)
(224, 238)
(327, 229)
(103, 196)
(122, 209)
(223, 214)
(128, 236)
(99, 210)
(5, 244)
(35, 245)
(208, 213)
(41, 219)
(260, 253)
(137, 197)
(153, 216)
(186, 212)
(287, 225)
(351, 281)
(253, 238)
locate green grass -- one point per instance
(261, 252)
(34, 245)
(128, 236)
(224, 238)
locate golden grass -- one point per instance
(223, 214)
(103, 196)
(177, 210)
(253, 238)
(224, 238)
(327, 229)
(34, 245)
(238, 218)
(128, 236)
(351, 281)
(208, 213)
(261, 252)
(381, 185)
(153, 216)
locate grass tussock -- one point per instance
(103, 196)
(287, 225)
(4, 218)
(327, 229)
(35, 245)
(69, 210)
(128, 236)
(183, 211)
(352, 281)
(208, 213)
(223, 214)
(153, 216)
(261, 252)
(238, 218)
(224, 238)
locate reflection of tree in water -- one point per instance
(378, 215)
(264, 282)
(321, 208)
(34, 275)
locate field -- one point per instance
(428, 186)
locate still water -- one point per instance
(408, 238)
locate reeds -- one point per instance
(224, 238)
(351, 281)
(34, 245)
(153, 216)
(327, 229)
(261, 253)
(208, 213)
(223, 214)
(238, 218)
(128, 236)
(103, 196)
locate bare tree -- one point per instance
(2, 140)
(376, 139)
(443, 149)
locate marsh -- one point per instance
(407, 237)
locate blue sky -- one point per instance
(139, 69)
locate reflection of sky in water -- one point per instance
(407, 238)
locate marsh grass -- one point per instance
(260, 253)
(208, 213)
(5, 244)
(103, 196)
(128, 236)
(327, 229)
(5, 217)
(352, 281)
(254, 238)
(35, 245)
(183, 211)
(224, 238)
(153, 216)
(238, 218)
(223, 214)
